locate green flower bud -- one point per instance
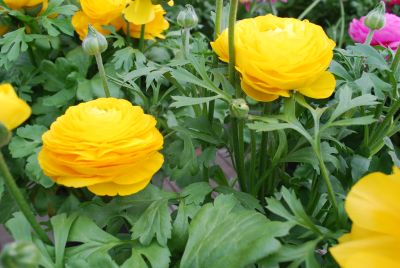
(239, 108)
(5, 135)
(187, 18)
(376, 18)
(94, 42)
(20, 254)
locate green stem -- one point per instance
(219, 6)
(308, 9)
(263, 148)
(272, 7)
(342, 23)
(236, 152)
(325, 175)
(369, 37)
(128, 32)
(395, 63)
(20, 200)
(253, 160)
(141, 40)
(231, 41)
(102, 74)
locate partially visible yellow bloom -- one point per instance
(103, 11)
(17, 4)
(14, 111)
(373, 205)
(275, 55)
(154, 28)
(80, 22)
(139, 12)
(107, 145)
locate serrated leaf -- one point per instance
(155, 222)
(35, 173)
(195, 193)
(157, 256)
(27, 140)
(182, 101)
(246, 200)
(224, 235)
(13, 44)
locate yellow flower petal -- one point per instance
(374, 203)
(258, 95)
(14, 111)
(17, 4)
(321, 88)
(113, 189)
(139, 12)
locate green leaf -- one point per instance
(356, 121)
(26, 141)
(181, 101)
(359, 166)
(157, 256)
(123, 58)
(346, 103)
(226, 235)
(61, 228)
(371, 55)
(35, 172)
(195, 193)
(293, 253)
(94, 239)
(246, 200)
(155, 222)
(12, 44)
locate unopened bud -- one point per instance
(187, 18)
(20, 254)
(5, 135)
(239, 108)
(376, 18)
(94, 42)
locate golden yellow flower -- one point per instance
(107, 145)
(80, 22)
(275, 55)
(17, 4)
(373, 205)
(103, 11)
(154, 28)
(141, 12)
(14, 111)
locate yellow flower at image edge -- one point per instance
(373, 205)
(154, 28)
(141, 11)
(14, 111)
(17, 4)
(107, 145)
(276, 55)
(103, 10)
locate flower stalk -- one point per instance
(20, 200)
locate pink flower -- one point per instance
(388, 36)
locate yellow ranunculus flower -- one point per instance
(17, 4)
(141, 12)
(275, 55)
(80, 22)
(153, 28)
(373, 205)
(103, 10)
(14, 111)
(107, 145)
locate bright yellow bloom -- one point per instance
(106, 145)
(141, 12)
(80, 22)
(17, 4)
(373, 205)
(275, 55)
(103, 10)
(13, 111)
(153, 28)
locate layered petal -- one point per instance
(139, 12)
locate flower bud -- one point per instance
(5, 135)
(376, 19)
(20, 254)
(187, 18)
(94, 42)
(239, 108)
